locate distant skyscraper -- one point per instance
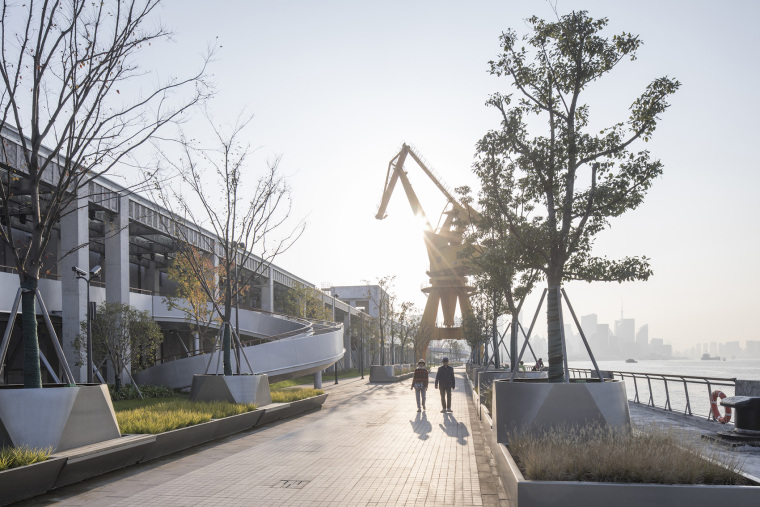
(625, 332)
(588, 323)
(642, 341)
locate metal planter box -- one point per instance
(525, 493)
(25, 482)
(232, 388)
(285, 410)
(536, 405)
(59, 417)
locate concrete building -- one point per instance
(134, 240)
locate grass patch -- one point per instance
(326, 377)
(128, 392)
(12, 457)
(157, 416)
(294, 394)
(597, 455)
(120, 406)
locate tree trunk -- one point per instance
(226, 348)
(513, 339)
(495, 337)
(226, 338)
(117, 382)
(556, 358)
(32, 375)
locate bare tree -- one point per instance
(385, 302)
(243, 217)
(68, 70)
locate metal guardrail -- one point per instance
(662, 394)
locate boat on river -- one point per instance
(708, 357)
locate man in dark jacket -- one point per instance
(444, 380)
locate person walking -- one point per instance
(444, 380)
(420, 383)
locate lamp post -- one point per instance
(83, 275)
(361, 342)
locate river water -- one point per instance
(654, 392)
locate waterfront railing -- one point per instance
(687, 394)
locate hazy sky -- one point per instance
(336, 86)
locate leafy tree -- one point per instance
(476, 327)
(559, 189)
(122, 334)
(421, 334)
(503, 272)
(307, 303)
(407, 322)
(75, 97)
(191, 297)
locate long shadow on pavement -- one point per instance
(422, 426)
(454, 428)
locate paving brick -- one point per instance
(368, 446)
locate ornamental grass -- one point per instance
(294, 394)
(597, 455)
(177, 413)
(12, 457)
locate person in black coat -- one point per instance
(444, 380)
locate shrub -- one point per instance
(487, 398)
(128, 392)
(12, 457)
(175, 414)
(598, 455)
(288, 395)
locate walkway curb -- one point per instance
(76, 465)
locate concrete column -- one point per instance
(117, 263)
(267, 293)
(74, 233)
(318, 380)
(152, 278)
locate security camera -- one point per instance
(79, 272)
(95, 271)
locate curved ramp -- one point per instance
(285, 348)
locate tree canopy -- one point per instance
(558, 185)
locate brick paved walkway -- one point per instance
(367, 446)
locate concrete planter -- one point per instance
(536, 405)
(97, 459)
(232, 388)
(25, 482)
(237, 423)
(525, 493)
(386, 374)
(181, 439)
(284, 410)
(58, 417)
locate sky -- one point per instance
(336, 86)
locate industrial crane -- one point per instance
(448, 272)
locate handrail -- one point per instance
(13, 269)
(309, 326)
(685, 402)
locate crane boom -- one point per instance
(448, 271)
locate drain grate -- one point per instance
(290, 484)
